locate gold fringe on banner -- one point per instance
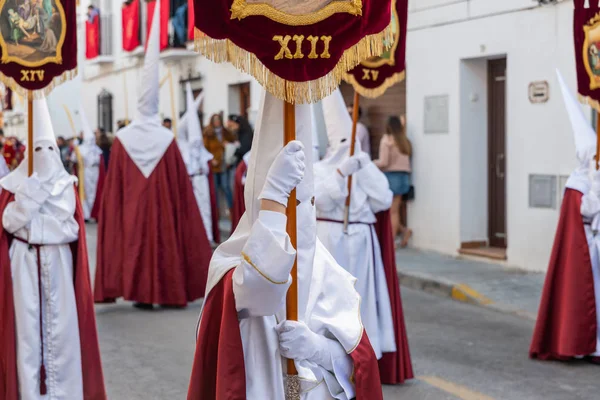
(379, 90)
(224, 50)
(590, 102)
(41, 93)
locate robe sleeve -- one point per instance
(261, 280)
(330, 190)
(47, 229)
(18, 214)
(590, 205)
(374, 183)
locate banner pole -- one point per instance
(29, 135)
(289, 133)
(355, 108)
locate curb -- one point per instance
(456, 291)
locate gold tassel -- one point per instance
(41, 93)
(224, 50)
(378, 91)
(590, 102)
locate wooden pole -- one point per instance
(355, 108)
(292, 383)
(597, 140)
(173, 116)
(29, 136)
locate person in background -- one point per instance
(92, 13)
(395, 151)
(105, 143)
(167, 123)
(179, 22)
(362, 132)
(241, 128)
(215, 139)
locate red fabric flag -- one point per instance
(190, 19)
(164, 21)
(130, 16)
(586, 34)
(40, 59)
(374, 76)
(92, 38)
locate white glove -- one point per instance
(32, 189)
(285, 173)
(354, 164)
(298, 342)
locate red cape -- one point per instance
(91, 366)
(152, 245)
(214, 207)
(395, 367)
(99, 189)
(218, 372)
(566, 323)
(239, 205)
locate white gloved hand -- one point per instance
(354, 164)
(285, 173)
(298, 342)
(31, 188)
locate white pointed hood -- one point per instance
(88, 134)
(585, 139)
(190, 139)
(266, 145)
(148, 100)
(145, 139)
(46, 156)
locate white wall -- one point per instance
(539, 138)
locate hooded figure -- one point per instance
(359, 250)
(48, 341)
(243, 333)
(196, 157)
(89, 159)
(152, 245)
(569, 315)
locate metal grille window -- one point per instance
(105, 110)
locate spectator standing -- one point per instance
(216, 138)
(362, 132)
(241, 128)
(395, 151)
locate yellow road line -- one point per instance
(465, 293)
(454, 389)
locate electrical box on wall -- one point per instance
(539, 92)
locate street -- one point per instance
(459, 351)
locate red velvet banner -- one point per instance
(190, 19)
(296, 55)
(375, 75)
(38, 45)
(586, 33)
(164, 21)
(130, 17)
(92, 38)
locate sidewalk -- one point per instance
(481, 283)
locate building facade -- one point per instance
(492, 141)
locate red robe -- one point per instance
(99, 189)
(152, 245)
(395, 367)
(566, 325)
(218, 371)
(91, 366)
(214, 207)
(239, 205)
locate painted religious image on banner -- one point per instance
(33, 31)
(294, 12)
(388, 57)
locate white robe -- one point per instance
(90, 154)
(260, 295)
(358, 251)
(3, 167)
(53, 226)
(590, 210)
(196, 160)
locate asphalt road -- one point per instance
(459, 352)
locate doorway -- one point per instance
(497, 153)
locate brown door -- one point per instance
(497, 152)
(244, 99)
